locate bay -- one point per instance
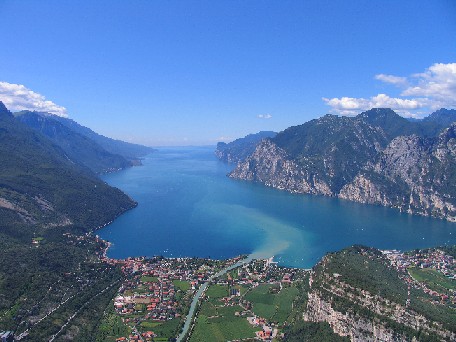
(188, 207)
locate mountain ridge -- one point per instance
(239, 149)
(41, 179)
(49, 206)
(78, 147)
(330, 155)
(130, 151)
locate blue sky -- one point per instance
(196, 72)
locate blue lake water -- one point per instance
(188, 207)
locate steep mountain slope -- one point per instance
(443, 117)
(241, 148)
(414, 174)
(77, 147)
(51, 279)
(362, 296)
(132, 152)
(334, 155)
(322, 146)
(394, 125)
(40, 184)
(313, 156)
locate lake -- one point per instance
(188, 207)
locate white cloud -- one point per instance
(223, 138)
(353, 106)
(264, 116)
(396, 80)
(17, 97)
(423, 92)
(438, 83)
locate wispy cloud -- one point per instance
(223, 138)
(434, 88)
(396, 80)
(18, 97)
(264, 116)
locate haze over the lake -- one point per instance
(188, 207)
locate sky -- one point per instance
(165, 73)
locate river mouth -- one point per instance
(188, 207)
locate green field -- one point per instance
(209, 309)
(216, 322)
(275, 307)
(142, 289)
(111, 327)
(182, 285)
(234, 274)
(145, 279)
(149, 325)
(164, 330)
(215, 292)
(224, 327)
(434, 280)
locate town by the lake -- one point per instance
(251, 300)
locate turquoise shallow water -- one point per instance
(188, 207)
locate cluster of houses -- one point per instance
(150, 294)
(428, 258)
(155, 300)
(263, 271)
(194, 270)
(432, 258)
(267, 332)
(147, 336)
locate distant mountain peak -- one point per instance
(379, 112)
(239, 149)
(329, 116)
(444, 110)
(4, 110)
(376, 157)
(443, 115)
(25, 112)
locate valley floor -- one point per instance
(255, 301)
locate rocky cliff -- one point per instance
(366, 300)
(270, 165)
(415, 174)
(363, 159)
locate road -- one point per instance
(82, 307)
(200, 292)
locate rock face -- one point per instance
(363, 159)
(413, 174)
(357, 328)
(358, 305)
(311, 158)
(270, 165)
